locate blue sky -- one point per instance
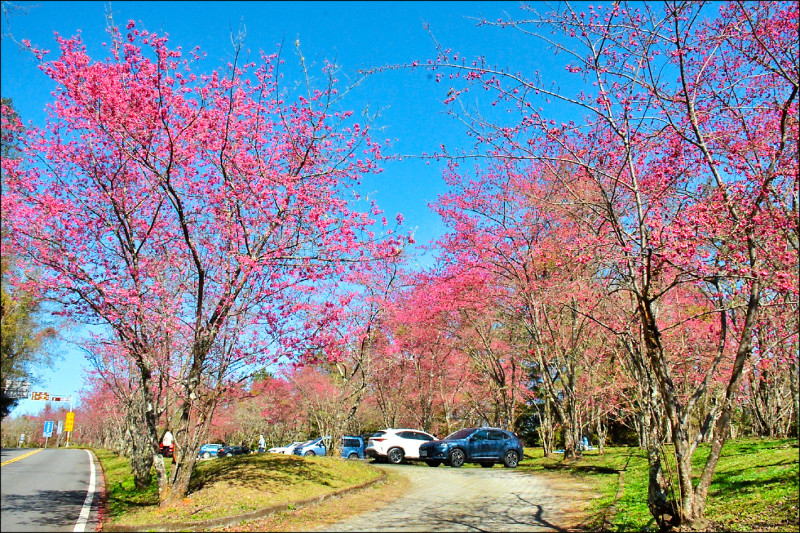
(356, 35)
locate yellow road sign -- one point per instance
(40, 396)
(69, 422)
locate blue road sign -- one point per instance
(48, 429)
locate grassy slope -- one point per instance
(229, 486)
(755, 486)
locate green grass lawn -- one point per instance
(228, 486)
(755, 487)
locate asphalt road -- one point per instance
(47, 489)
(474, 499)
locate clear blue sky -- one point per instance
(355, 34)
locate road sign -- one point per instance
(60, 427)
(18, 389)
(40, 396)
(48, 429)
(59, 398)
(69, 422)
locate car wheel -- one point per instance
(457, 458)
(353, 455)
(206, 455)
(433, 464)
(487, 465)
(310, 453)
(511, 459)
(395, 456)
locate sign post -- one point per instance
(48, 431)
(69, 423)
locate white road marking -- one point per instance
(87, 503)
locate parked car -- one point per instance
(485, 446)
(397, 445)
(209, 450)
(312, 447)
(226, 451)
(288, 449)
(352, 447)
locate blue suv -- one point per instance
(209, 450)
(352, 447)
(485, 446)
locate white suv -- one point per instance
(397, 444)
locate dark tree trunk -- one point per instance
(141, 458)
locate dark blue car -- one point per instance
(485, 446)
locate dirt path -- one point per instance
(475, 499)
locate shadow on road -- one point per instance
(46, 510)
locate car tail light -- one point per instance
(380, 439)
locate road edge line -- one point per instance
(83, 518)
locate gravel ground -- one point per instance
(475, 499)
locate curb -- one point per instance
(99, 506)
(202, 525)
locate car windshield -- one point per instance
(460, 434)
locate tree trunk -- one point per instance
(661, 506)
(601, 429)
(545, 428)
(141, 457)
(795, 391)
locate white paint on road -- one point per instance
(87, 503)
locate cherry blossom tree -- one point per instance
(682, 162)
(282, 413)
(190, 210)
(117, 380)
(99, 422)
(349, 328)
(511, 228)
(424, 378)
(771, 377)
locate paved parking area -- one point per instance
(474, 499)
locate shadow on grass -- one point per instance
(131, 502)
(733, 482)
(585, 469)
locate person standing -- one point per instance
(168, 446)
(262, 444)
